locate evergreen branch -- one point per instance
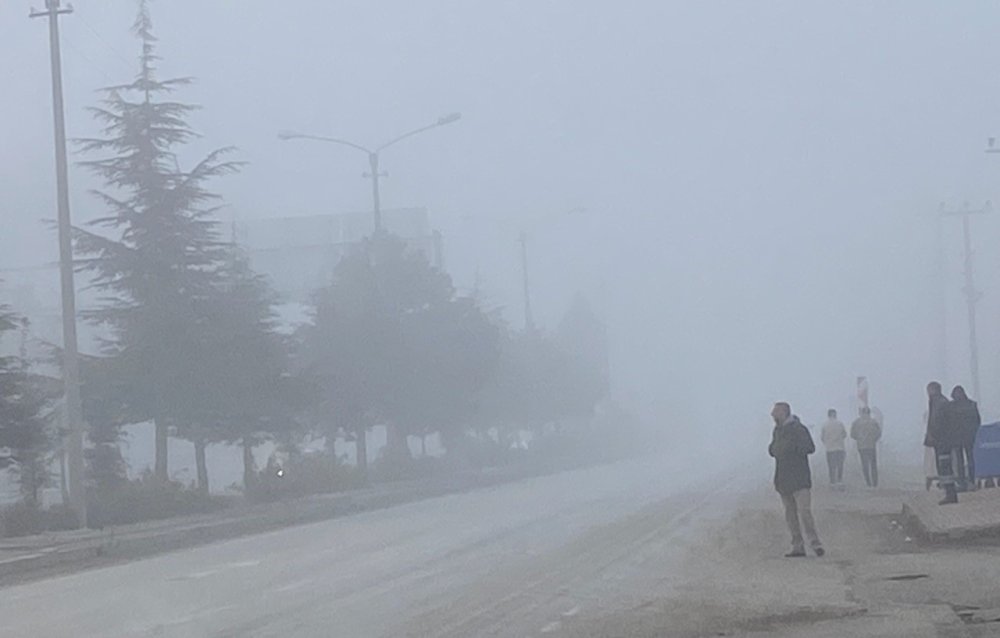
(209, 167)
(124, 211)
(90, 243)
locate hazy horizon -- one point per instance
(761, 181)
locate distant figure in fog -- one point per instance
(791, 445)
(833, 436)
(964, 415)
(944, 438)
(866, 432)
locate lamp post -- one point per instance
(373, 156)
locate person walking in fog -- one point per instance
(833, 435)
(964, 415)
(866, 432)
(944, 438)
(791, 445)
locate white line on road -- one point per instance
(299, 584)
(552, 626)
(572, 612)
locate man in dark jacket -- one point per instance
(964, 415)
(791, 445)
(943, 437)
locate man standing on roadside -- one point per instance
(866, 432)
(833, 435)
(791, 445)
(941, 436)
(964, 416)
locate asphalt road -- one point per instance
(521, 559)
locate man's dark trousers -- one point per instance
(869, 466)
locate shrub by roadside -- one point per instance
(146, 499)
(302, 475)
(21, 519)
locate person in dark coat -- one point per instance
(791, 445)
(944, 438)
(964, 414)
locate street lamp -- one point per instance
(373, 155)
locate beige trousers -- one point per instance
(797, 508)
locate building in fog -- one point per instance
(299, 254)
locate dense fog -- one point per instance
(748, 194)
(450, 318)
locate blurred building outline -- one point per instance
(298, 254)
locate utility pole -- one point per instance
(972, 295)
(941, 288)
(529, 322)
(375, 174)
(71, 363)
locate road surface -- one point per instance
(521, 559)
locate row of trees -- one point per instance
(190, 340)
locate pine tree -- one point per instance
(241, 390)
(25, 404)
(156, 254)
(583, 337)
(391, 341)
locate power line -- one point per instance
(121, 58)
(80, 54)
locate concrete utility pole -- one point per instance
(71, 363)
(375, 175)
(529, 321)
(972, 295)
(373, 156)
(941, 287)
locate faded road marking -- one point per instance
(552, 626)
(299, 584)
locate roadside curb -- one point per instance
(132, 542)
(975, 515)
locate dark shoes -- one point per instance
(950, 495)
(801, 553)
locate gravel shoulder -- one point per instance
(877, 579)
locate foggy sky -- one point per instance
(761, 179)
